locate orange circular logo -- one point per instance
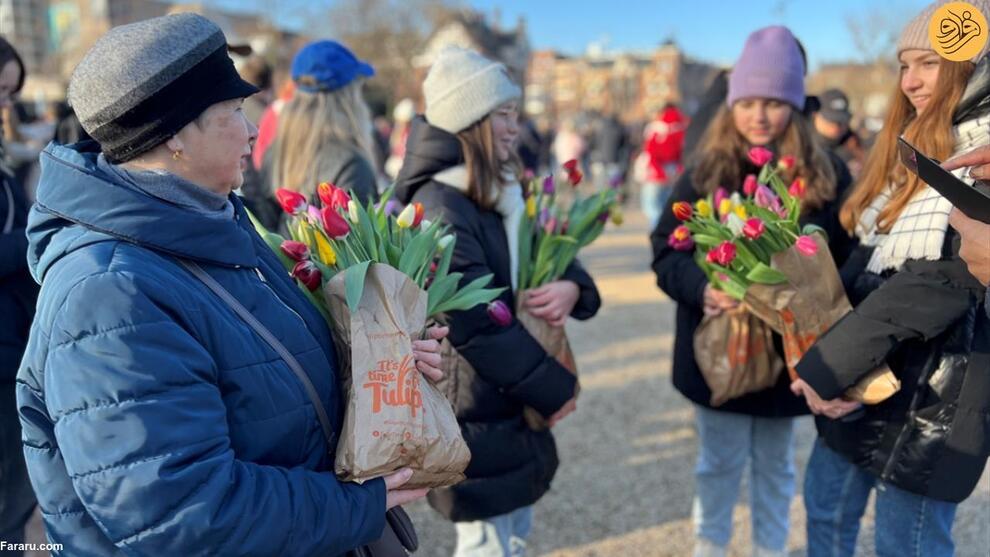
(958, 31)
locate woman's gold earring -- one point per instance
(176, 155)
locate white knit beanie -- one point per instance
(462, 87)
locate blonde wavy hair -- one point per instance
(311, 120)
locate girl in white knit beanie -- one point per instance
(460, 163)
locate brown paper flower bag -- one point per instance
(734, 351)
(393, 417)
(805, 307)
(554, 342)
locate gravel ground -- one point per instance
(625, 484)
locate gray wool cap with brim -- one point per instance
(141, 83)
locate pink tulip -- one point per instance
(499, 313)
(786, 162)
(551, 226)
(725, 253)
(308, 274)
(296, 251)
(806, 245)
(754, 228)
(760, 156)
(681, 239)
(767, 199)
(749, 185)
(797, 188)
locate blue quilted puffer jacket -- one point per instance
(155, 421)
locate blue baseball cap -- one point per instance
(327, 66)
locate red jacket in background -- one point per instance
(664, 143)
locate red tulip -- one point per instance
(571, 165)
(786, 162)
(420, 211)
(711, 256)
(681, 239)
(333, 224)
(296, 251)
(754, 228)
(332, 196)
(292, 202)
(797, 188)
(750, 184)
(308, 274)
(725, 253)
(575, 177)
(760, 156)
(806, 245)
(499, 313)
(683, 211)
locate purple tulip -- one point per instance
(314, 213)
(544, 217)
(767, 199)
(393, 207)
(548, 186)
(615, 182)
(499, 313)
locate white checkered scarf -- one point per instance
(919, 231)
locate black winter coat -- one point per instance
(511, 465)
(18, 291)
(681, 278)
(926, 321)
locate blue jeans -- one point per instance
(500, 536)
(653, 197)
(728, 442)
(835, 494)
(16, 496)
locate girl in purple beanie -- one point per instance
(763, 108)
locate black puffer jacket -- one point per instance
(18, 291)
(926, 321)
(511, 465)
(681, 278)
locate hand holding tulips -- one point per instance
(553, 302)
(427, 353)
(717, 301)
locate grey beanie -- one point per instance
(462, 87)
(142, 83)
(915, 33)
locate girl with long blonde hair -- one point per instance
(916, 309)
(324, 131)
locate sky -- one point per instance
(705, 29)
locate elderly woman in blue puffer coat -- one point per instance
(156, 420)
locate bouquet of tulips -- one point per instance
(752, 247)
(377, 272)
(550, 236)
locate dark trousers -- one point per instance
(16, 496)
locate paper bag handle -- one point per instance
(268, 337)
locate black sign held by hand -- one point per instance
(973, 200)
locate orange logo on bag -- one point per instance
(958, 31)
(395, 384)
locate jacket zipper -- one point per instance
(264, 281)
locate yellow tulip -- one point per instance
(531, 207)
(704, 208)
(724, 207)
(740, 211)
(617, 216)
(406, 217)
(324, 251)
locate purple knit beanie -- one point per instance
(770, 67)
